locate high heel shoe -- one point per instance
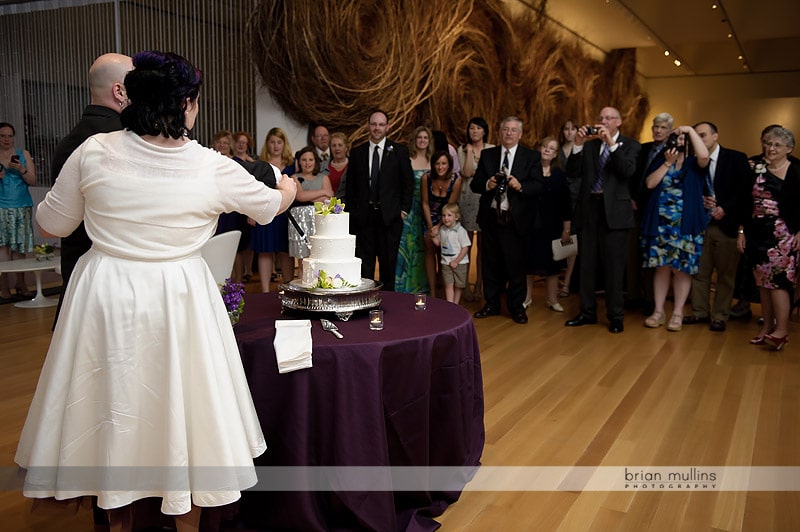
(527, 303)
(675, 322)
(758, 340)
(655, 320)
(555, 306)
(776, 342)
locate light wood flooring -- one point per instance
(559, 396)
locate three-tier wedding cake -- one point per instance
(333, 263)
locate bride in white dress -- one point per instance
(142, 393)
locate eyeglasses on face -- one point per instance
(776, 145)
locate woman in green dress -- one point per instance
(410, 276)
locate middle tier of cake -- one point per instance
(335, 255)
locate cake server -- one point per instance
(328, 325)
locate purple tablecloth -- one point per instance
(409, 395)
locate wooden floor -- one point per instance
(559, 396)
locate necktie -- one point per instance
(601, 165)
(325, 156)
(712, 171)
(655, 150)
(506, 169)
(373, 176)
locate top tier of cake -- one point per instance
(332, 224)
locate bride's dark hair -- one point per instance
(158, 87)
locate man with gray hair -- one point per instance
(507, 178)
(108, 99)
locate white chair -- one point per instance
(220, 252)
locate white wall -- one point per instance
(739, 105)
(269, 115)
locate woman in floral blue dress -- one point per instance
(673, 224)
(771, 238)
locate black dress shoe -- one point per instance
(717, 326)
(487, 311)
(580, 319)
(616, 327)
(691, 319)
(520, 318)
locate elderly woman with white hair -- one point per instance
(771, 239)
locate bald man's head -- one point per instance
(107, 80)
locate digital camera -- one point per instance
(672, 142)
(502, 184)
(591, 130)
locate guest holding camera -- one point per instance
(673, 223)
(605, 162)
(771, 239)
(17, 173)
(508, 178)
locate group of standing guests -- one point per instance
(712, 207)
(691, 204)
(319, 171)
(698, 207)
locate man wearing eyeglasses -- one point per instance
(605, 162)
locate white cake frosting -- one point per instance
(333, 250)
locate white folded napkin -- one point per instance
(292, 344)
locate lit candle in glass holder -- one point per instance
(421, 302)
(376, 320)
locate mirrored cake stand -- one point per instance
(342, 302)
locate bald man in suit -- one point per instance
(108, 99)
(605, 162)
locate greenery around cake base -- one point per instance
(332, 283)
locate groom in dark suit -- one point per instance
(605, 162)
(505, 218)
(379, 189)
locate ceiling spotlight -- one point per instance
(740, 58)
(677, 62)
(730, 35)
(666, 52)
(713, 6)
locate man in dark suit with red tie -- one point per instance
(730, 186)
(379, 189)
(507, 178)
(605, 162)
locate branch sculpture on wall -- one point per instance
(434, 62)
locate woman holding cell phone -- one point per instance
(17, 173)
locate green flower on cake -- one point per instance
(326, 281)
(332, 206)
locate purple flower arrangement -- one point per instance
(332, 206)
(233, 297)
